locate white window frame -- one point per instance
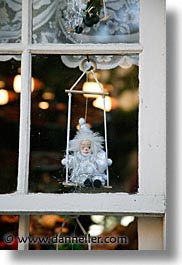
(150, 199)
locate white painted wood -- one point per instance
(26, 22)
(150, 233)
(23, 231)
(81, 203)
(9, 48)
(24, 139)
(151, 199)
(115, 48)
(25, 102)
(152, 109)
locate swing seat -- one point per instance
(72, 184)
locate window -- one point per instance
(42, 35)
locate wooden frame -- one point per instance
(150, 199)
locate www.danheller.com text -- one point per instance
(58, 239)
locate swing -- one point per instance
(88, 66)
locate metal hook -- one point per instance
(88, 65)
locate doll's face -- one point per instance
(85, 147)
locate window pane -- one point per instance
(75, 232)
(9, 123)
(49, 124)
(84, 21)
(10, 21)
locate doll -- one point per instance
(87, 161)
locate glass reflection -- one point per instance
(10, 21)
(49, 124)
(9, 124)
(85, 21)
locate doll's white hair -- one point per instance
(86, 134)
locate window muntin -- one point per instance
(49, 121)
(9, 124)
(59, 22)
(10, 21)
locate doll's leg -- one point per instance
(88, 182)
(99, 181)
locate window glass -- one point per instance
(52, 75)
(86, 21)
(95, 232)
(10, 21)
(9, 123)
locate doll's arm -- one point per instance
(102, 162)
(70, 160)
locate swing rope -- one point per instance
(60, 232)
(68, 135)
(86, 101)
(83, 230)
(68, 125)
(105, 125)
(78, 80)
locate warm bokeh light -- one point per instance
(99, 103)
(43, 105)
(126, 220)
(128, 100)
(2, 84)
(48, 95)
(92, 87)
(97, 218)
(4, 97)
(95, 230)
(17, 84)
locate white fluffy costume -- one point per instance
(87, 161)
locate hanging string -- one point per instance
(105, 136)
(60, 232)
(86, 109)
(105, 125)
(86, 101)
(84, 231)
(78, 80)
(68, 125)
(68, 135)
